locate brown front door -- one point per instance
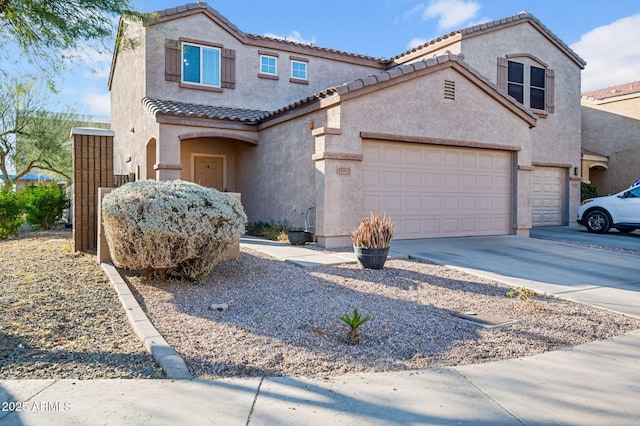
(209, 172)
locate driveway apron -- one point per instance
(602, 278)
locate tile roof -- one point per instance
(494, 25)
(612, 92)
(597, 154)
(391, 74)
(248, 116)
(204, 7)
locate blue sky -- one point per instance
(604, 33)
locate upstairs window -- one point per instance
(200, 65)
(516, 81)
(299, 70)
(528, 81)
(537, 87)
(268, 64)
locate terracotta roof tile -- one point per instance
(497, 23)
(249, 116)
(612, 92)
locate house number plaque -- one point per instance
(346, 171)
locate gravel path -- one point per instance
(283, 320)
(59, 316)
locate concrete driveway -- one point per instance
(602, 278)
(579, 234)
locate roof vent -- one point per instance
(450, 90)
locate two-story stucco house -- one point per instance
(611, 137)
(476, 133)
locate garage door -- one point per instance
(438, 191)
(546, 196)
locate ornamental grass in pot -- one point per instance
(372, 239)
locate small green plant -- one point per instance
(354, 322)
(271, 230)
(373, 232)
(587, 191)
(525, 297)
(44, 205)
(11, 217)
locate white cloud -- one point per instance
(612, 54)
(293, 36)
(99, 104)
(416, 42)
(451, 13)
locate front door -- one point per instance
(209, 172)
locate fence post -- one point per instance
(92, 169)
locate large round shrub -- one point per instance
(175, 228)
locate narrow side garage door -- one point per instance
(546, 196)
(438, 191)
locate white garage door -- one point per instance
(546, 196)
(438, 191)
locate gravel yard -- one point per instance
(61, 319)
(59, 316)
(283, 320)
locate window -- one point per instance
(528, 84)
(268, 64)
(299, 70)
(516, 81)
(537, 87)
(200, 65)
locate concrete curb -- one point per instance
(173, 365)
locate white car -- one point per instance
(620, 211)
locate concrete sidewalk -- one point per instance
(591, 384)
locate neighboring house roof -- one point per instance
(593, 153)
(155, 106)
(496, 25)
(613, 92)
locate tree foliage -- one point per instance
(47, 31)
(30, 136)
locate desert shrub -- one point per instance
(587, 191)
(373, 232)
(11, 217)
(175, 228)
(44, 204)
(271, 230)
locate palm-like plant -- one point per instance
(354, 322)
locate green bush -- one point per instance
(176, 228)
(44, 205)
(11, 217)
(272, 230)
(587, 191)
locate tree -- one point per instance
(30, 136)
(46, 32)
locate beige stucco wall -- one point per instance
(251, 91)
(277, 177)
(613, 129)
(556, 139)
(132, 124)
(413, 108)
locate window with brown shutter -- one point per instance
(172, 60)
(551, 79)
(228, 69)
(174, 63)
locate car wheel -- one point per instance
(597, 221)
(625, 230)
